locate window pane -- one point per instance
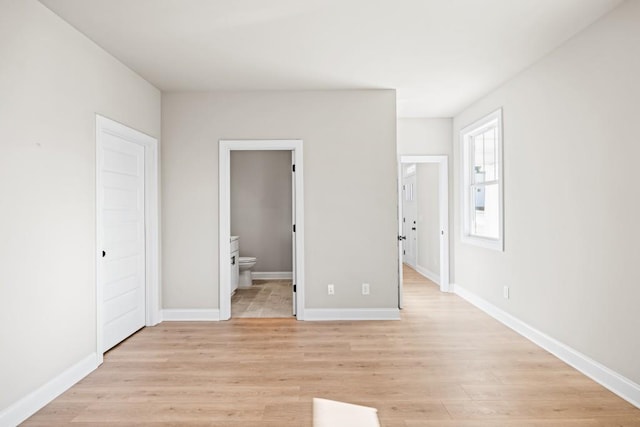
(485, 221)
(478, 158)
(409, 169)
(490, 155)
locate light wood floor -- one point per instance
(265, 298)
(445, 364)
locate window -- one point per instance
(482, 182)
(409, 170)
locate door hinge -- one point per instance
(294, 168)
(294, 228)
(294, 288)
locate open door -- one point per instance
(293, 234)
(401, 236)
(409, 215)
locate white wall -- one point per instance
(424, 137)
(427, 178)
(571, 153)
(52, 82)
(261, 207)
(350, 189)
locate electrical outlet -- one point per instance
(505, 292)
(365, 289)
(330, 290)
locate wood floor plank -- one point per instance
(566, 408)
(505, 423)
(444, 364)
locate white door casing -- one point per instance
(127, 277)
(224, 203)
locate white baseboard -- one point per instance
(315, 314)
(39, 398)
(618, 384)
(428, 274)
(189, 315)
(272, 275)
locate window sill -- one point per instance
(496, 245)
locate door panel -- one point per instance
(293, 235)
(410, 217)
(122, 228)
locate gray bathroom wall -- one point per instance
(261, 207)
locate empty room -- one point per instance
(319, 213)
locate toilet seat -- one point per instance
(246, 259)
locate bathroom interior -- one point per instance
(261, 234)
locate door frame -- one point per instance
(105, 125)
(443, 201)
(224, 224)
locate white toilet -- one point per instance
(246, 263)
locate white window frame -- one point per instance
(490, 120)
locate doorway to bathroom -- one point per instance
(423, 226)
(261, 231)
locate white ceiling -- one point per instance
(440, 55)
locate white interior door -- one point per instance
(409, 220)
(293, 235)
(401, 236)
(121, 231)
